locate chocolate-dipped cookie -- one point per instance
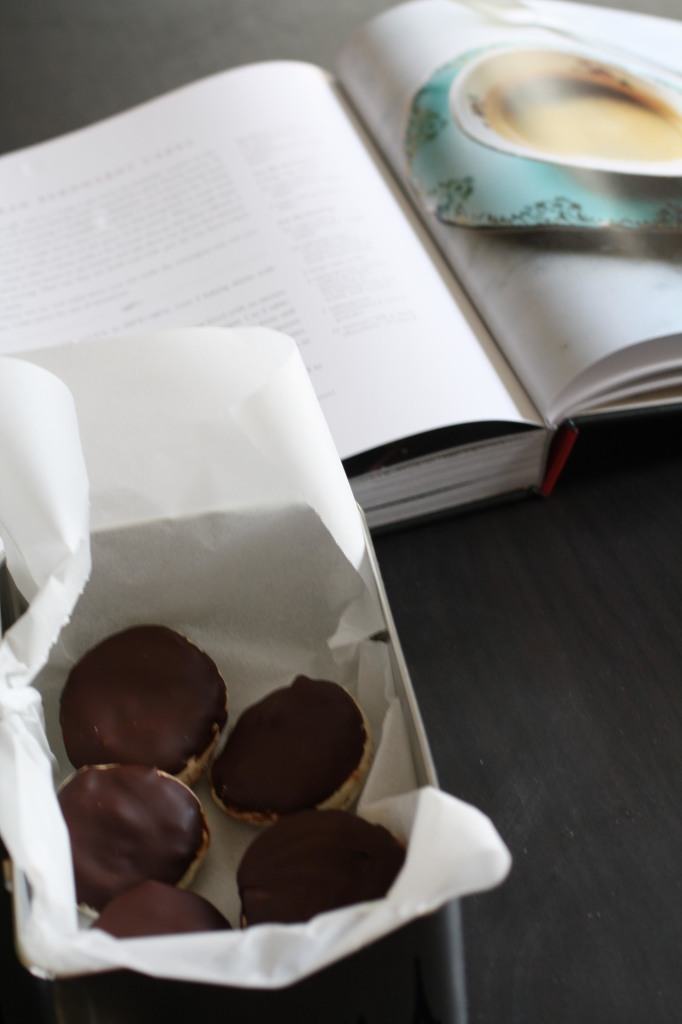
(129, 823)
(146, 695)
(155, 908)
(303, 746)
(314, 861)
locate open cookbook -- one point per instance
(472, 232)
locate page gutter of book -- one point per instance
(245, 199)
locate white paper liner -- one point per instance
(218, 508)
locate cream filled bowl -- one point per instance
(570, 108)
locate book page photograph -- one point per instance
(580, 142)
(568, 242)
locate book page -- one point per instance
(246, 198)
(570, 307)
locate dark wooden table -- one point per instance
(545, 643)
(544, 638)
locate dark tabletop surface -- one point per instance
(543, 637)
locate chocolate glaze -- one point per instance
(292, 750)
(128, 823)
(315, 861)
(155, 908)
(145, 695)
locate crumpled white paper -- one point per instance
(218, 507)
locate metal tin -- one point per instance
(413, 976)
